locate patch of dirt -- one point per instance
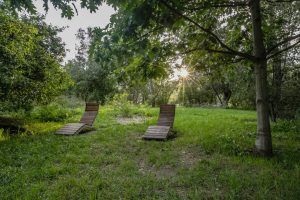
(159, 172)
(188, 158)
(166, 171)
(131, 120)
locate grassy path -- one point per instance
(210, 159)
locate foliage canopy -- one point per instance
(30, 52)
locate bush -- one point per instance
(122, 105)
(143, 110)
(51, 112)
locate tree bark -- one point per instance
(263, 141)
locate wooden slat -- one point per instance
(157, 132)
(166, 115)
(164, 124)
(71, 129)
(158, 128)
(87, 119)
(91, 111)
(160, 134)
(91, 107)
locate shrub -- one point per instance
(51, 112)
(122, 105)
(143, 110)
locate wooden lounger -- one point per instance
(164, 126)
(86, 121)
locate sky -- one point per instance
(84, 19)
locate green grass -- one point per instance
(209, 159)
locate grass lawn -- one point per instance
(211, 158)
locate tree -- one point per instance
(211, 21)
(93, 80)
(29, 64)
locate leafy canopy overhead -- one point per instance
(209, 21)
(67, 7)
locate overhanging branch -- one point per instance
(282, 1)
(208, 5)
(218, 51)
(286, 40)
(228, 50)
(283, 50)
(246, 56)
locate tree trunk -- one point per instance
(276, 87)
(226, 94)
(217, 94)
(263, 138)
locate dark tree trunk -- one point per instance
(263, 138)
(154, 94)
(153, 103)
(276, 88)
(226, 94)
(217, 94)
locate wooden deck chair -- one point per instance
(164, 126)
(86, 121)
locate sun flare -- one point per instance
(180, 73)
(183, 72)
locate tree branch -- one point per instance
(208, 5)
(191, 50)
(282, 1)
(207, 31)
(218, 51)
(282, 50)
(247, 56)
(286, 40)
